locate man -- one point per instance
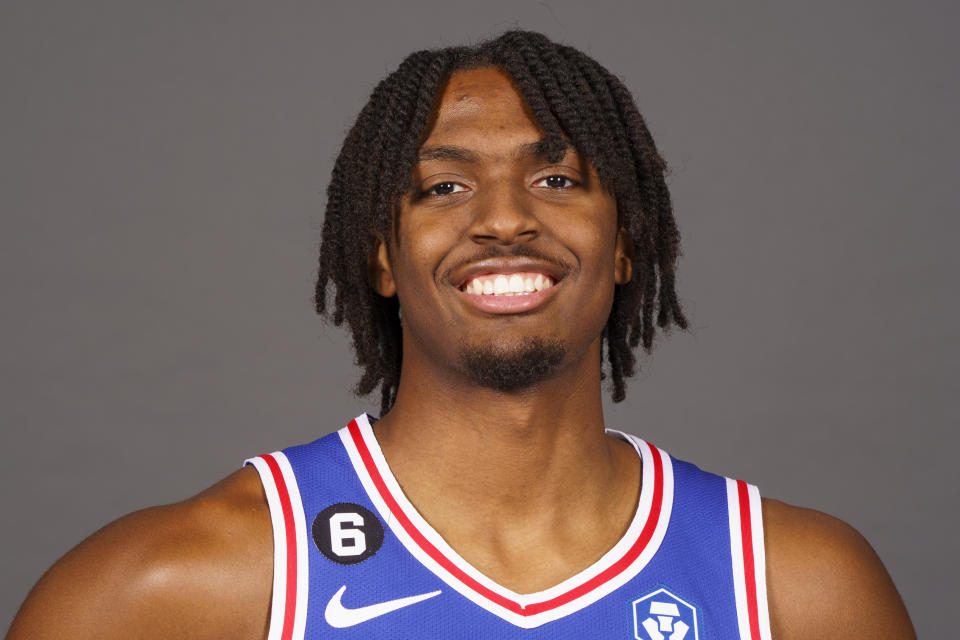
(497, 221)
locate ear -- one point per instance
(379, 271)
(623, 257)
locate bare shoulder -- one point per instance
(201, 568)
(824, 580)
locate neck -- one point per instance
(547, 439)
(511, 464)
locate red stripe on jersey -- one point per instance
(538, 607)
(749, 569)
(286, 507)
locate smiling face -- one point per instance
(500, 255)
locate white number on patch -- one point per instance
(347, 541)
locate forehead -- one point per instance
(481, 103)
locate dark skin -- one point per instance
(203, 568)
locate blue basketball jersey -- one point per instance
(353, 559)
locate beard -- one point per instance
(519, 366)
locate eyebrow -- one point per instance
(535, 149)
(457, 154)
(538, 149)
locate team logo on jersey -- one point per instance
(663, 616)
(347, 533)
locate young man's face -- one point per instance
(504, 263)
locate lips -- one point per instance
(507, 285)
(520, 303)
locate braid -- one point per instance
(576, 102)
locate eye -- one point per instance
(444, 189)
(556, 182)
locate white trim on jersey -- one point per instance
(279, 597)
(621, 563)
(749, 560)
(288, 607)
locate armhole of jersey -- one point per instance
(288, 606)
(749, 560)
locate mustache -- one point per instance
(515, 251)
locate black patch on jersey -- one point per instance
(347, 533)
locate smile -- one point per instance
(507, 284)
(505, 293)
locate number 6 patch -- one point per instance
(347, 533)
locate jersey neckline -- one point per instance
(616, 567)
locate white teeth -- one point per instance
(514, 284)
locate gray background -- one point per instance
(161, 184)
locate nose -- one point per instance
(503, 215)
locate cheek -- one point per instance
(595, 249)
(421, 249)
(593, 242)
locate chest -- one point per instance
(356, 561)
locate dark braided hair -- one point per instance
(574, 100)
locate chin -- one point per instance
(512, 367)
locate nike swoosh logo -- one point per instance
(339, 616)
